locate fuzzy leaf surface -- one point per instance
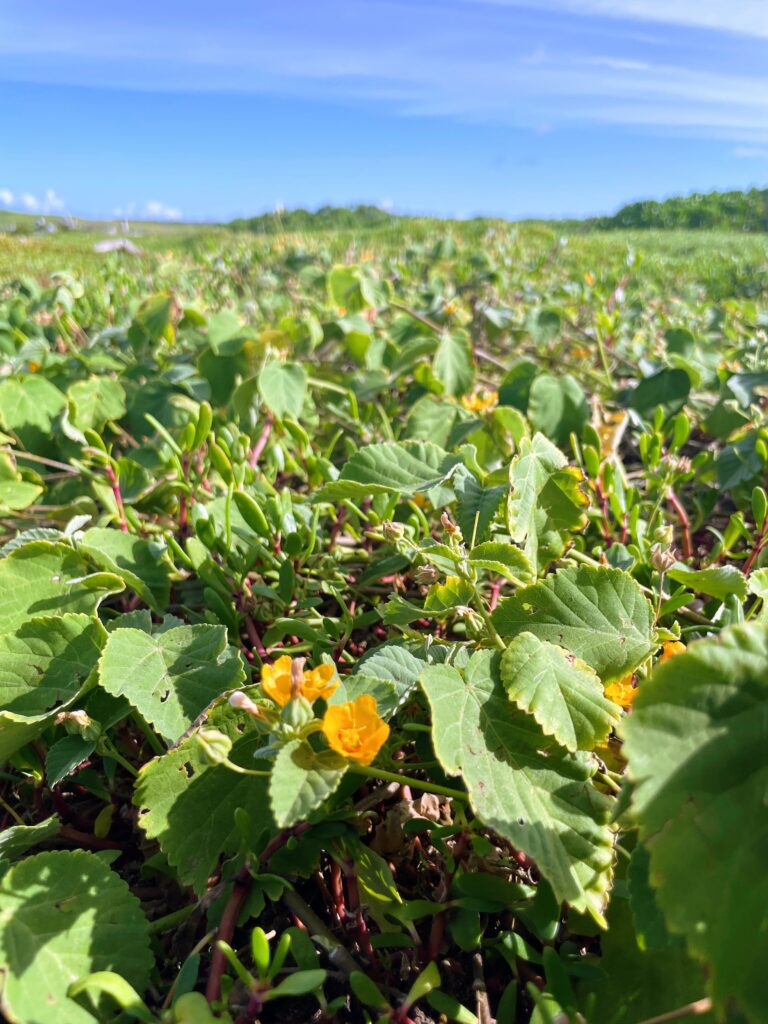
(519, 782)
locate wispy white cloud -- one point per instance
(160, 211)
(6, 197)
(743, 17)
(29, 202)
(751, 152)
(52, 202)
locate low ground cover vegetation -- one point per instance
(383, 629)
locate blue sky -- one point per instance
(187, 108)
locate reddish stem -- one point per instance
(240, 889)
(685, 524)
(261, 442)
(74, 835)
(114, 483)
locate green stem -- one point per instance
(151, 738)
(604, 357)
(407, 780)
(108, 750)
(243, 771)
(164, 924)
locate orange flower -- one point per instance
(589, 278)
(622, 692)
(276, 681)
(671, 648)
(355, 730)
(480, 401)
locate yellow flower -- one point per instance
(622, 692)
(480, 401)
(276, 681)
(589, 278)
(319, 682)
(355, 730)
(671, 648)
(32, 366)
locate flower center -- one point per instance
(350, 738)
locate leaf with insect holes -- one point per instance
(697, 745)
(65, 914)
(170, 677)
(521, 783)
(189, 805)
(563, 694)
(43, 578)
(599, 614)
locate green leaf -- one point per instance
(170, 677)
(43, 578)
(47, 661)
(18, 494)
(63, 915)
(152, 320)
(65, 755)
(181, 790)
(46, 667)
(404, 468)
(523, 786)
(717, 581)
(696, 744)
(445, 597)
(599, 614)
(29, 408)
(142, 564)
(557, 406)
(16, 840)
(546, 502)
(453, 364)
(476, 505)
(668, 388)
(283, 387)
(97, 400)
(650, 926)
(302, 780)
(564, 695)
(503, 559)
(299, 984)
(638, 985)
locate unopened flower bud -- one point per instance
(448, 524)
(426, 575)
(662, 558)
(215, 745)
(392, 531)
(78, 723)
(242, 702)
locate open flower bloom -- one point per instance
(480, 401)
(276, 681)
(355, 730)
(622, 692)
(671, 648)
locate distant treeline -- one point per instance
(330, 218)
(728, 211)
